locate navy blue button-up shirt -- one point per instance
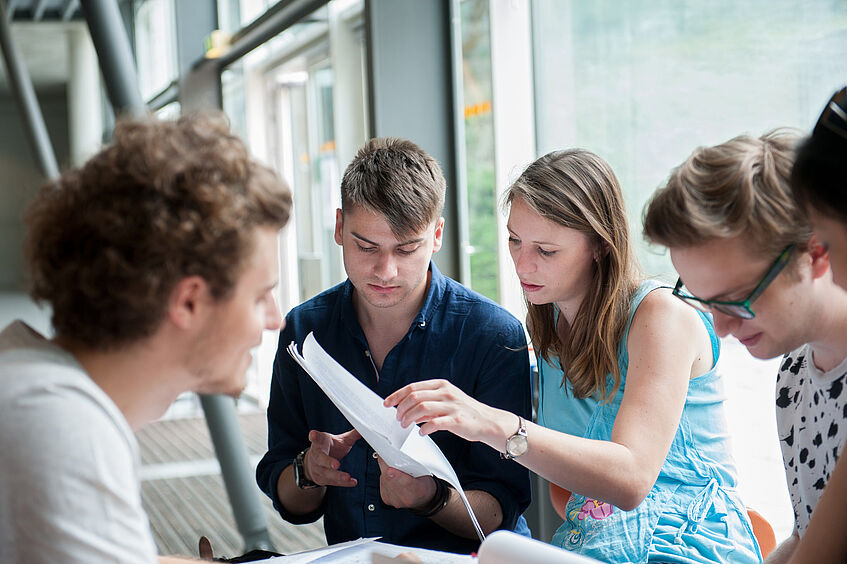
(458, 335)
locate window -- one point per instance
(479, 146)
(155, 44)
(644, 83)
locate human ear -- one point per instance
(187, 299)
(819, 256)
(339, 224)
(439, 232)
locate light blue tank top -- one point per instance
(693, 513)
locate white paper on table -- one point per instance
(506, 547)
(369, 551)
(404, 449)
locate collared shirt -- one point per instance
(459, 336)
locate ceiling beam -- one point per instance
(69, 9)
(11, 5)
(38, 10)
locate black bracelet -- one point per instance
(438, 501)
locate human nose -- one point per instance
(385, 267)
(273, 318)
(523, 262)
(725, 324)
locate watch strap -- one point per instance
(300, 478)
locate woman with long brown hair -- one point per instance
(630, 412)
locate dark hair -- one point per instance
(819, 176)
(398, 180)
(578, 190)
(108, 242)
(738, 187)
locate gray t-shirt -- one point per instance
(811, 418)
(69, 485)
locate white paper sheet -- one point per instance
(404, 449)
(506, 547)
(501, 547)
(369, 551)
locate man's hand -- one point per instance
(401, 490)
(322, 461)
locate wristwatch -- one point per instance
(517, 444)
(300, 478)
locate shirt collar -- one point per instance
(434, 297)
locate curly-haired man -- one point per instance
(158, 258)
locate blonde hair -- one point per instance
(578, 190)
(738, 187)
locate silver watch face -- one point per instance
(517, 445)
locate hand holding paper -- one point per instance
(322, 460)
(404, 449)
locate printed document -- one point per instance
(404, 449)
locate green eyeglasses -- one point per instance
(737, 309)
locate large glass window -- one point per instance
(644, 83)
(155, 42)
(479, 146)
(283, 98)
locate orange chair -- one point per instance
(559, 498)
(762, 530)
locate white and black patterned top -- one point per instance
(811, 418)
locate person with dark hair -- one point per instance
(395, 320)
(745, 251)
(819, 183)
(630, 410)
(158, 258)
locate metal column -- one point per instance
(238, 477)
(25, 94)
(115, 55)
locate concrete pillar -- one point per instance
(85, 116)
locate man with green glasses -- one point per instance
(745, 252)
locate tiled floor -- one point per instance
(184, 495)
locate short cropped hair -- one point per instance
(738, 187)
(398, 180)
(108, 242)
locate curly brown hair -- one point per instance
(108, 242)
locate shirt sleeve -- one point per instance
(72, 482)
(288, 429)
(503, 382)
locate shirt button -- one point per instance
(371, 507)
(375, 455)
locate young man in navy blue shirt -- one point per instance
(395, 320)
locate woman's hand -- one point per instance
(438, 405)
